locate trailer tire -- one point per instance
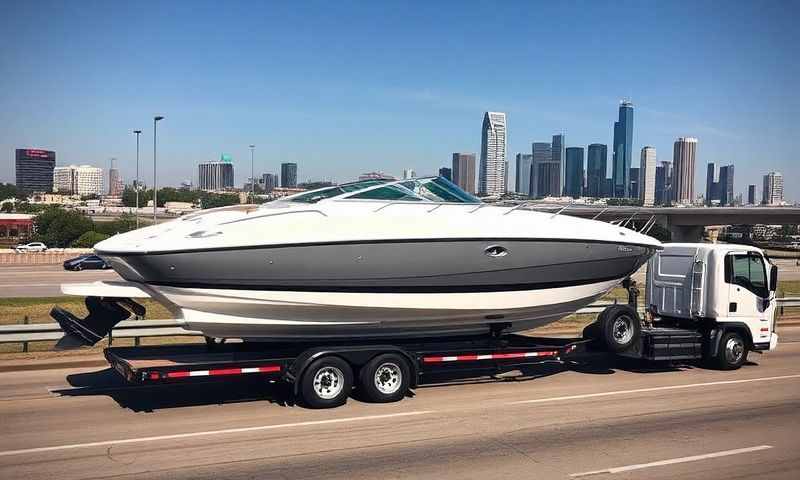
(620, 328)
(385, 378)
(326, 383)
(732, 352)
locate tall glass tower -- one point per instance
(623, 144)
(596, 170)
(492, 173)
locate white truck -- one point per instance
(714, 302)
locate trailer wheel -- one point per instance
(385, 378)
(620, 328)
(326, 383)
(732, 352)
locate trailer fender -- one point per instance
(357, 356)
(716, 334)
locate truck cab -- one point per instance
(716, 288)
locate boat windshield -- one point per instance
(430, 189)
(315, 196)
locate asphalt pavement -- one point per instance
(600, 419)
(44, 280)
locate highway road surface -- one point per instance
(46, 280)
(596, 420)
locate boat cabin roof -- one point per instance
(423, 189)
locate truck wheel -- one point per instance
(620, 328)
(326, 383)
(732, 352)
(385, 378)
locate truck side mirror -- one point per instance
(773, 278)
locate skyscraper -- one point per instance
(633, 188)
(409, 173)
(712, 183)
(597, 158)
(623, 144)
(522, 183)
(446, 173)
(647, 176)
(559, 163)
(288, 175)
(664, 183)
(725, 186)
(773, 189)
(34, 170)
(683, 158)
(751, 194)
(464, 171)
(492, 175)
(115, 184)
(541, 153)
(573, 182)
(216, 176)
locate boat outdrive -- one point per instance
(104, 314)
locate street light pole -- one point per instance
(136, 185)
(252, 176)
(155, 183)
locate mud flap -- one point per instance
(104, 314)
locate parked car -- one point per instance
(31, 247)
(86, 262)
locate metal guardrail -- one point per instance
(137, 329)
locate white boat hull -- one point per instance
(282, 315)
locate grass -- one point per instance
(14, 310)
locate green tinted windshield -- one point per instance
(388, 192)
(439, 189)
(317, 195)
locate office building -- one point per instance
(216, 176)
(78, 180)
(647, 176)
(725, 186)
(447, 173)
(751, 194)
(464, 171)
(684, 153)
(542, 154)
(288, 175)
(772, 193)
(559, 162)
(409, 173)
(663, 183)
(712, 183)
(633, 188)
(596, 165)
(34, 170)
(269, 181)
(623, 144)
(522, 183)
(573, 182)
(115, 184)
(492, 175)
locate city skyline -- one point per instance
(412, 112)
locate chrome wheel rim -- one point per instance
(734, 350)
(622, 329)
(388, 378)
(328, 382)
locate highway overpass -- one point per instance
(685, 223)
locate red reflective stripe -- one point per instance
(225, 371)
(433, 359)
(154, 376)
(508, 355)
(467, 357)
(491, 356)
(177, 374)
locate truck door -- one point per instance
(746, 276)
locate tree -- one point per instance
(88, 239)
(57, 227)
(7, 207)
(8, 190)
(214, 200)
(125, 223)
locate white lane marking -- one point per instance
(672, 461)
(653, 389)
(123, 441)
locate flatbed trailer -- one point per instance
(322, 374)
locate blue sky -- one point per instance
(342, 88)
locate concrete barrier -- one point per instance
(52, 256)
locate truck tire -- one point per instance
(326, 383)
(385, 378)
(620, 328)
(732, 352)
